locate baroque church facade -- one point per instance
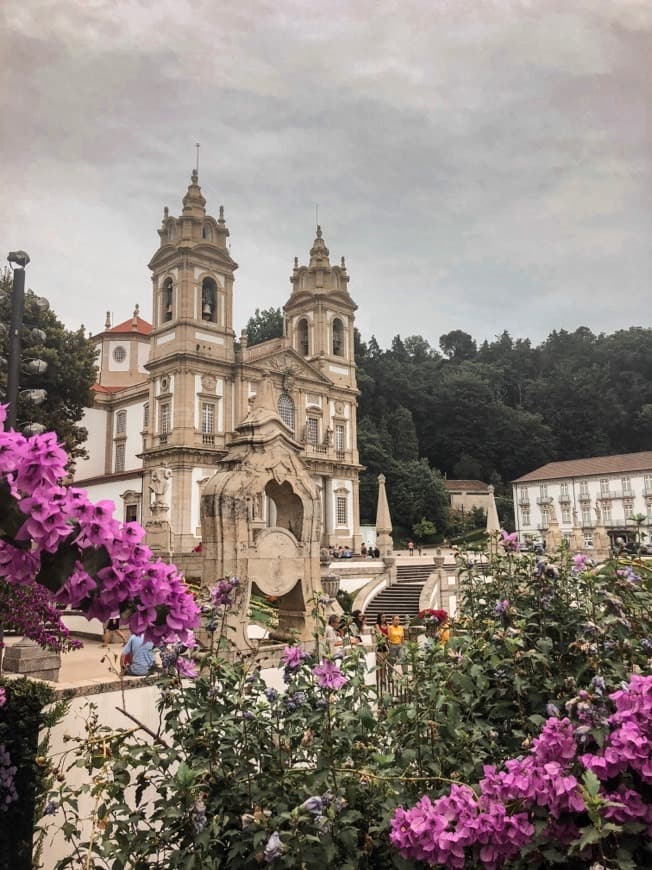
(171, 393)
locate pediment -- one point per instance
(287, 362)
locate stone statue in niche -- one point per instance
(159, 485)
(257, 506)
(328, 437)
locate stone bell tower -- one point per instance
(190, 404)
(319, 314)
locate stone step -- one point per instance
(403, 599)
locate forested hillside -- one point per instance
(491, 412)
(499, 410)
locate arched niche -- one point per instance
(288, 507)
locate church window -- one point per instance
(131, 513)
(313, 430)
(338, 338)
(206, 232)
(340, 437)
(119, 354)
(341, 510)
(119, 457)
(164, 426)
(168, 295)
(121, 423)
(304, 344)
(209, 300)
(286, 410)
(146, 415)
(207, 418)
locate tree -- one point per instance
(458, 345)
(70, 375)
(422, 530)
(264, 325)
(404, 435)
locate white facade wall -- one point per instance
(111, 490)
(95, 420)
(618, 496)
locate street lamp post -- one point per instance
(20, 259)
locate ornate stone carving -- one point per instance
(208, 383)
(159, 484)
(339, 409)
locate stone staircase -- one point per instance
(417, 572)
(403, 596)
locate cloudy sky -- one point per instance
(482, 164)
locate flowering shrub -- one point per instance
(552, 784)
(435, 616)
(56, 545)
(311, 770)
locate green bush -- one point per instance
(311, 776)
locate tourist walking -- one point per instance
(112, 627)
(411, 548)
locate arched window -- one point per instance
(302, 331)
(209, 300)
(338, 337)
(206, 232)
(286, 410)
(167, 301)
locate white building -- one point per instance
(580, 491)
(171, 392)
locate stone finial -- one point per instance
(296, 263)
(343, 264)
(107, 322)
(383, 521)
(493, 523)
(166, 213)
(319, 252)
(134, 321)
(221, 218)
(244, 339)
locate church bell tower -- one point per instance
(190, 405)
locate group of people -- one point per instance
(137, 655)
(340, 632)
(390, 639)
(340, 552)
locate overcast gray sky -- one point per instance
(482, 164)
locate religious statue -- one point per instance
(159, 485)
(598, 514)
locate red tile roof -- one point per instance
(140, 326)
(594, 466)
(466, 485)
(100, 388)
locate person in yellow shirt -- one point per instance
(396, 639)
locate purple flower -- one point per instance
(329, 676)
(271, 694)
(3, 693)
(509, 542)
(501, 607)
(293, 657)
(274, 848)
(580, 561)
(313, 805)
(186, 668)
